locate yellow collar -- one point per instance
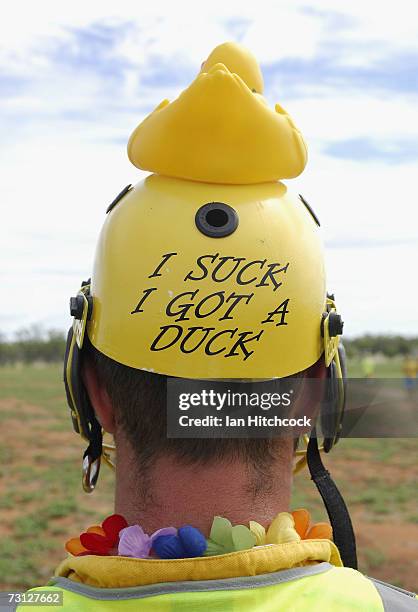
(120, 572)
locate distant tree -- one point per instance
(388, 345)
(32, 344)
(37, 344)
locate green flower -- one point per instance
(224, 538)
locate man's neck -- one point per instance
(173, 494)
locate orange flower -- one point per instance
(318, 531)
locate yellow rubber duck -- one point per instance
(220, 129)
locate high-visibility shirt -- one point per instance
(304, 576)
(410, 368)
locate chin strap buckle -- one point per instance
(91, 469)
(92, 457)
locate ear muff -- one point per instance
(333, 403)
(328, 414)
(332, 406)
(343, 363)
(82, 413)
(81, 410)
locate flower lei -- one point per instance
(115, 536)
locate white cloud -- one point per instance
(340, 116)
(63, 156)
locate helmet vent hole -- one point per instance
(216, 219)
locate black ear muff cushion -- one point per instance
(343, 362)
(332, 408)
(68, 383)
(81, 399)
(329, 408)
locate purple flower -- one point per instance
(134, 542)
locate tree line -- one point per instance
(35, 344)
(384, 344)
(32, 344)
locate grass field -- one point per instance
(42, 503)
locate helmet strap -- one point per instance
(92, 457)
(338, 514)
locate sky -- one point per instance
(76, 78)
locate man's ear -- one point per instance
(99, 398)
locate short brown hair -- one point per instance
(139, 399)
